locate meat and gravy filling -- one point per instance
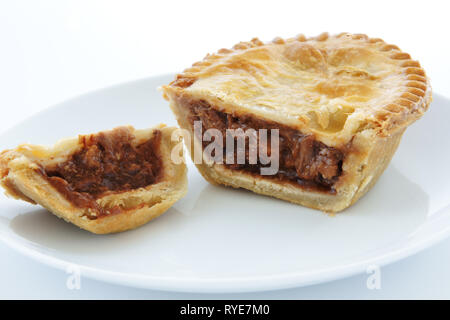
(106, 163)
(303, 161)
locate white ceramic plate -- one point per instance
(218, 239)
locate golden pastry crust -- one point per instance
(330, 86)
(21, 176)
(349, 91)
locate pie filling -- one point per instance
(303, 161)
(106, 163)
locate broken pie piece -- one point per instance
(341, 104)
(105, 182)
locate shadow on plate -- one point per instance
(392, 210)
(45, 229)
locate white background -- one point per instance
(53, 50)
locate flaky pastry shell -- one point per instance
(349, 92)
(21, 176)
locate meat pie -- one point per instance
(105, 182)
(340, 104)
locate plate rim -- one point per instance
(229, 285)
